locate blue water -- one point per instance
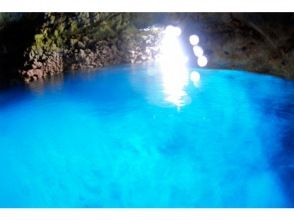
(115, 139)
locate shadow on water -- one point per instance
(283, 161)
(13, 96)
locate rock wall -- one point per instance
(87, 41)
(17, 31)
(258, 42)
(38, 45)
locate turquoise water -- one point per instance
(124, 138)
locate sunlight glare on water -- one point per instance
(173, 64)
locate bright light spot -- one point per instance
(194, 40)
(171, 52)
(202, 61)
(174, 73)
(198, 51)
(195, 76)
(178, 31)
(172, 30)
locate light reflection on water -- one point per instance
(114, 140)
(173, 67)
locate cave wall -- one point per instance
(258, 42)
(35, 46)
(17, 32)
(86, 41)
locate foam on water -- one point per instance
(112, 140)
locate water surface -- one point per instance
(129, 137)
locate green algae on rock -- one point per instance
(74, 41)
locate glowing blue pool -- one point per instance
(127, 137)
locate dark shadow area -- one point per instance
(15, 37)
(13, 96)
(283, 162)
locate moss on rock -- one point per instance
(84, 41)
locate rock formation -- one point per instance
(36, 46)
